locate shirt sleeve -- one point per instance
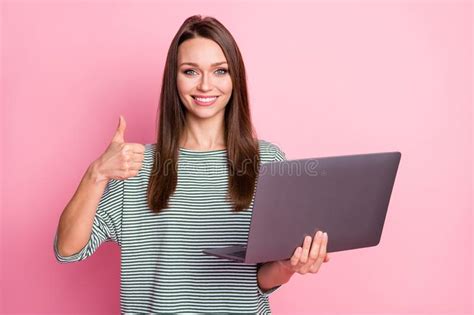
(278, 154)
(106, 226)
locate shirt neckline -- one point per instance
(184, 150)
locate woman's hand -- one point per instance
(120, 160)
(308, 258)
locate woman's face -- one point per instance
(204, 83)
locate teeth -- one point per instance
(210, 99)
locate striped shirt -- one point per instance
(163, 268)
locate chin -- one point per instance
(206, 115)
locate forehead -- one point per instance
(201, 51)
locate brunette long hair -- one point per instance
(240, 136)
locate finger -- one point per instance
(324, 246)
(296, 257)
(130, 164)
(327, 258)
(313, 255)
(306, 247)
(314, 252)
(134, 166)
(315, 267)
(137, 157)
(119, 133)
(136, 147)
(133, 162)
(132, 173)
(321, 255)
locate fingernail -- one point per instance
(325, 234)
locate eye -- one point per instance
(186, 71)
(224, 71)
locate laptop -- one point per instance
(346, 196)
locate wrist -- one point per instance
(271, 274)
(284, 268)
(94, 174)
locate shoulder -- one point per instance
(270, 152)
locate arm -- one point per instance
(75, 223)
(271, 274)
(93, 215)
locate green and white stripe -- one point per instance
(163, 269)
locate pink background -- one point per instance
(325, 79)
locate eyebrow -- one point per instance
(196, 65)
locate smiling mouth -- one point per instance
(204, 101)
(210, 99)
(204, 98)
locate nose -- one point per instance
(204, 84)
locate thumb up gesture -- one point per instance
(120, 160)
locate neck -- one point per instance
(204, 134)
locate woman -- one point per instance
(165, 202)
